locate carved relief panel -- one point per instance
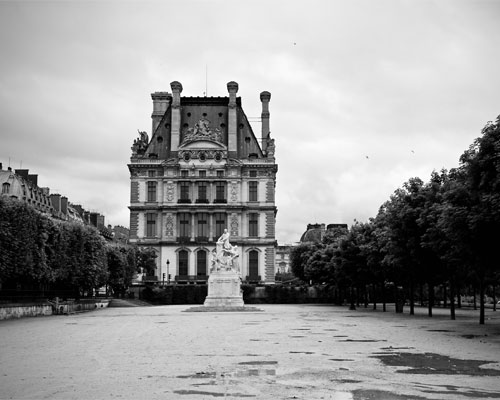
(169, 226)
(235, 231)
(170, 192)
(234, 191)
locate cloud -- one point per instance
(408, 84)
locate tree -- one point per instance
(481, 168)
(299, 257)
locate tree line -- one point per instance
(43, 256)
(444, 233)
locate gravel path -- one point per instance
(282, 352)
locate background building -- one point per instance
(23, 186)
(316, 232)
(203, 171)
(283, 258)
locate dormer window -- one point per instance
(6, 188)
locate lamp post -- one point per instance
(168, 272)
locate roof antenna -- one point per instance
(206, 80)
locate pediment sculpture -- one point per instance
(202, 131)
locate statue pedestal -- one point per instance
(224, 290)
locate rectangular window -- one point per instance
(202, 192)
(184, 173)
(252, 191)
(150, 225)
(184, 191)
(151, 191)
(220, 192)
(253, 174)
(151, 174)
(5, 188)
(184, 225)
(220, 173)
(220, 224)
(203, 173)
(202, 225)
(253, 224)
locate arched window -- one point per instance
(183, 262)
(253, 264)
(201, 263)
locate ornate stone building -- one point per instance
(203, 170)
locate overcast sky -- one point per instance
(365, 94)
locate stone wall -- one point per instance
(9, 311)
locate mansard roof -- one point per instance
(216, 125)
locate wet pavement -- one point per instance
(281, 352)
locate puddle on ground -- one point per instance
(213, 394)
(363, 340)
(472, 336)
(464, 391)
(363, 394)
(348, 381)
(341, 359)
(301, 352)
(258, 363)
(438, 330)
(396, 348)
(198, 375)
(431, 363)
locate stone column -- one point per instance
(232, 120)
(176, 115)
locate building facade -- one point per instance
(202, 171)
(283, 258)
(23, 186)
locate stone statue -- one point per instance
(140, 144)
(270, 147)
(224, 256)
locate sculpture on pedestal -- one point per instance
(224, 283)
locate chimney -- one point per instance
(55, 200)
(160, 105)
(100, 221)
(33, 179)
(93, 218)
(176, 115)
(1, 166)
(232, 120)
(64, 206)
(23, 173)
(265, 97)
